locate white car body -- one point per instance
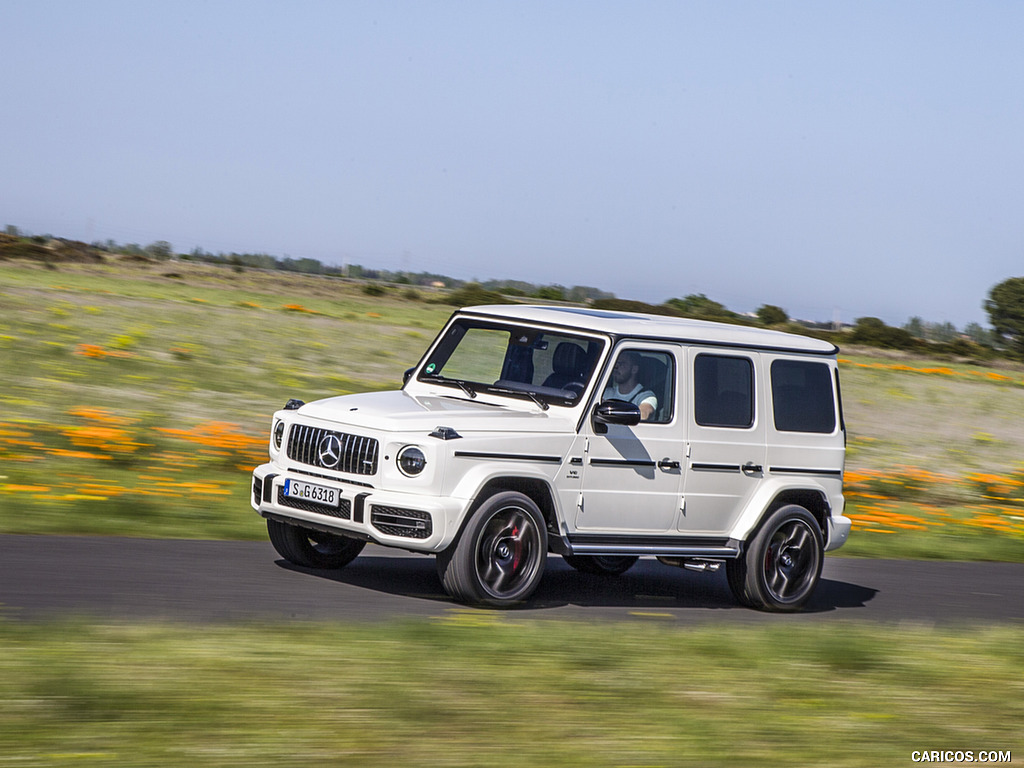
(692, 487)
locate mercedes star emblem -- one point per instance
(329, 451)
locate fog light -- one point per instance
(411, 461)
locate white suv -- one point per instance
(599, 436)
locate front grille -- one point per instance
(343, 510)
(332, 450)
(395, 521)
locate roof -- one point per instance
(655, 327)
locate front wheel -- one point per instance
(312, 549)
(499, 558)
(782, 564)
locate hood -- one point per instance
(400, 412)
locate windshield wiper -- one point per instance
(463, 385)
(532, 395)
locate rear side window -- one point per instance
(723, 389)
(802, 397)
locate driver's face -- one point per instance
(622, 371)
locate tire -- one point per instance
(499, 558)
(312, 549)
(782, 564)
(602, 565)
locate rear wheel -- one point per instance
(782, 564)
(605, 565)
(312, 549)
(499, 558)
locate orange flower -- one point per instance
(98, 352)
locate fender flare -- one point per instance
(775, 492)
(506, 475)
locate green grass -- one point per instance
(179, 346)
(202, 347)
(956, 423)
(474, 689)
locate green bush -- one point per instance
(875, 333)
(472, 294)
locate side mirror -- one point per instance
(616, 412)
(408, 375)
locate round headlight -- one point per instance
(411, 460)
(278, 435)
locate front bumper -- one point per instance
(408, 521)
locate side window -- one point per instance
(802, 398)
(723, 390)
(645, 378)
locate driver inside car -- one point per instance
(625, 385)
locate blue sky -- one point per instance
(835, 158)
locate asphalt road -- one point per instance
(45, 577)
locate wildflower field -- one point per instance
(135, 398)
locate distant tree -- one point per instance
(12, 230)
(769, 314)
(258, 260)
(510, 287)
(471, 294)
(160, 250)
(915, 327)
(1005, 307)
(551, 293)
(875, 333)
(978, 334)
(582, 293)
(941, 332)
(631, 305)
(699, 306)
(306, 266)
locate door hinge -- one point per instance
(579, 502)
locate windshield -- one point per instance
(550, 368)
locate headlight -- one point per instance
(411, 460)
(278, 435)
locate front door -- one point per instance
(632, 475)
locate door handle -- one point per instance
(667, 465)
(750, 468)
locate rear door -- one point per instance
(806, 440)
(726, 438)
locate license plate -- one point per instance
(319, 494)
